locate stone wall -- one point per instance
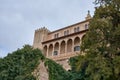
(41, 72)
(64, 64)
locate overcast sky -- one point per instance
(20, 18)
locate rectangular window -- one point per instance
(86, 26)
(78, 29)
(55, 53)
(75, 30)
(56, 35)
(77, 48)
(65, 33)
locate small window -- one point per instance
(77, 48)
(65, 33)
(75, 30)
(55, 53)
(86, 26)
(56, 35)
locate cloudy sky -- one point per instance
(20, 18)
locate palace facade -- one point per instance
(63, 43)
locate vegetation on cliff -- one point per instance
(56, 71)
(20, 64)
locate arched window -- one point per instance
(62, 47)
(50, 50)
(83, 37)
(69, 45)
(45, 50)
(56, 49)
(77, 44)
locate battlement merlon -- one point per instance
(42, 29)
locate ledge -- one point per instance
(65, 36)
(70, 26)
(64, 56)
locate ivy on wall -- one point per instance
(56, 71)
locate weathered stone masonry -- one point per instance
(61, 44)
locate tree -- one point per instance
(20, 64)
(102, 43)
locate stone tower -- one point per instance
(40, 36)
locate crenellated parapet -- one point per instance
(42, 29)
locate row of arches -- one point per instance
(62, 47)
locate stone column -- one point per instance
(59, 50)
(47, 52)
(53, 49)
(65, 47)
(73, 46)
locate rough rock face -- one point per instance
(41, 72)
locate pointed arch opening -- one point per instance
(50, 50)
(69, 45)
(62, 47)
(56, 49)
(77, 44)
(45, 50)
(83, 37)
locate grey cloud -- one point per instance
(19, 19)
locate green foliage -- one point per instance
(75, 73)
(101, 44)
(20, 64)
(56, 71)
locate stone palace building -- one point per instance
(63, 43)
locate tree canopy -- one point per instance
(19, 64)
(102, 43)
(101, 46)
